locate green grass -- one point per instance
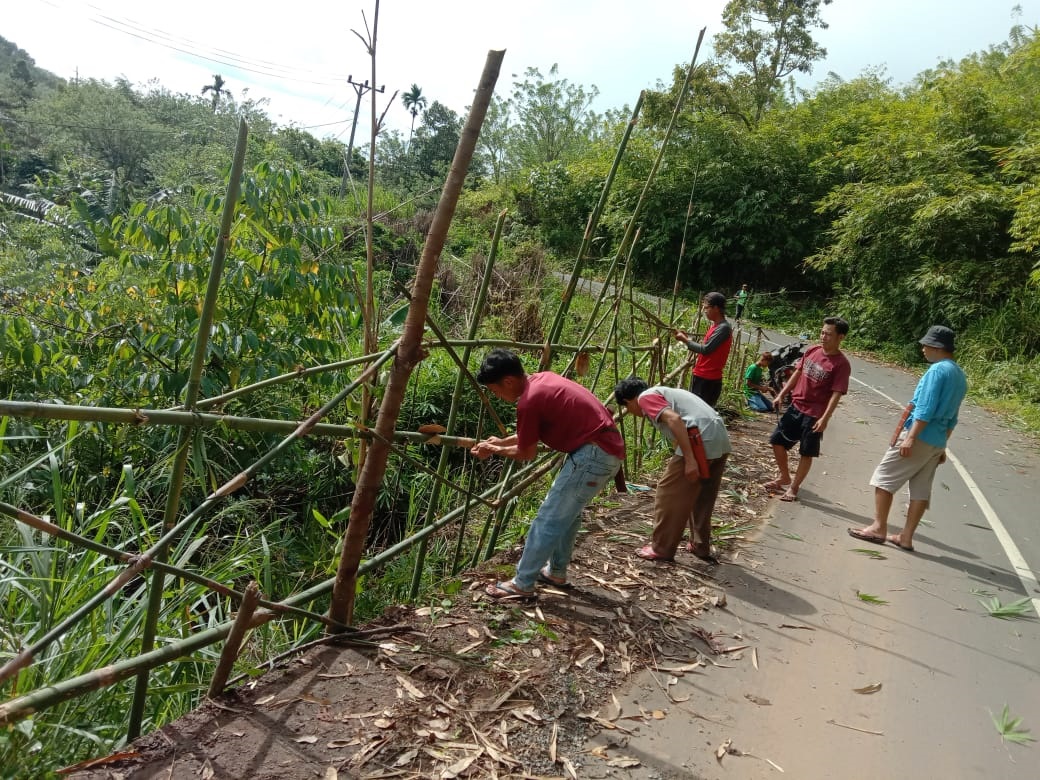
(1010, 729)
(1013, 609)
(869, 599)
(874, 554)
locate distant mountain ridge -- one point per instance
(20, 77)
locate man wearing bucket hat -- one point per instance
(919, 444)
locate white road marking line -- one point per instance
(1014, 555)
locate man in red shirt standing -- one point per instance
(820, 379)
(713, 352)
(568, 418)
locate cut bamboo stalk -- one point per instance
(191, 395)
(341, 608)
(301, 373)
(233, 645)
(123, 556)
(476, 315)
(200, 420)
(38, 700)
(556, 328)
(678, 261)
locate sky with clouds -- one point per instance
(299, 58)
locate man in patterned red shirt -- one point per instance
(820, 379)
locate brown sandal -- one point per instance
(507, 590)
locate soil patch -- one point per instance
(476, 688)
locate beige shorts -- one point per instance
(918, 469)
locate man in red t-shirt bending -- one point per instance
(569, 418)
(820, 379)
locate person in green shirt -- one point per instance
(756, 388)
(742, 298)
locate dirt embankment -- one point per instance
(474, 688)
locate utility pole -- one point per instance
(360, 89)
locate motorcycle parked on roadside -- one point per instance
(782, 366)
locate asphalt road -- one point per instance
(943, 665)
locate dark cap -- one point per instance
(938, 336)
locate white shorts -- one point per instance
(918, 469)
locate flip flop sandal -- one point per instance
(775, 486)
(548, 579)
(894, 539)
(855, 533)
(507, 591)
(647, 553)
(709, 558)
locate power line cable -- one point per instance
(186, 46)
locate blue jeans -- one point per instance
(554, 529)
(759, 403)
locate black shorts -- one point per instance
(797, 427)
(708, 390)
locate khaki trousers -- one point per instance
(679, 501)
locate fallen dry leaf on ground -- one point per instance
(872, 688)
(722, 750)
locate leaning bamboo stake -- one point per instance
(191, 395)
(651, 176)
(47, 527)
(464, 373)
(157, 549)
(556, 328)
(42, 698)
(301, 373)
(142, 417)
(233, 645)
(476, 314)
(523, 345)
(616, 310)
(678, 262)
(410, 352)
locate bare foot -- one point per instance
(789, 495)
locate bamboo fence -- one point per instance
(401, 357)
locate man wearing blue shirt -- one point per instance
(920, 445)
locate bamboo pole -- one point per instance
(586, 335)
(301, 373)
(616, 310)
(520, 345)
(590, 229)
(464, 372)
(191, 395)
(38, 700)
(157, 549)
(651, 176)
(233, 645)
(476, 314)
(24, 706)
(410, 353)
(460, 536)
(678, 262)
(143, 417)
(52, 529)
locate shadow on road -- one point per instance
(766, 595)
